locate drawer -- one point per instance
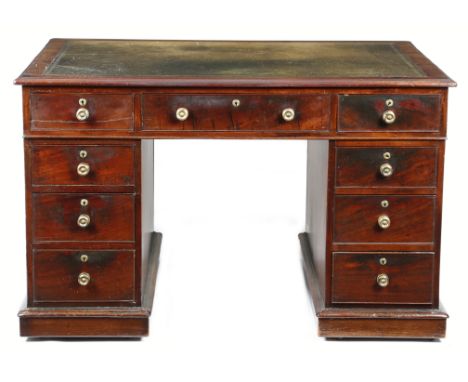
(80, 111)
(412, 113)
(62, 276)
(383, 278)
(236, 112)
(386, 167)
(83, 217)
(82, 165)
(364, 219)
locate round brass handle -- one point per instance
(389, 117)
(288, 114)
(386, 170)
(384, 221)
(182, 113)
(82, 114)
(84, 278)
(83, 220)
(83, 169)
(383, 280)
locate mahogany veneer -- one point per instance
(374, 115)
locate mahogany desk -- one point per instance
(373, 113)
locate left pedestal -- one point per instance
(92, 255)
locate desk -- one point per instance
(373, 113)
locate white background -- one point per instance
(230, 302)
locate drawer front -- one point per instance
(386, 167)
(364, 219)
(221, 113)
(82, 165)
(64, 111)
(383, 278)
(83, 217)
(62, 276)
(413, 113)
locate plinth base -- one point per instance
(369, 322)
(96, 321)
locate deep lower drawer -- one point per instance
(383, 278)
(384, 219)
(236, 112)
(389, 112)
(83, 217)
(82, 165)
(71, 276)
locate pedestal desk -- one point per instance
(373, 113)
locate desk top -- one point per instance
(232, 64)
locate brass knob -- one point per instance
(84, 278)
(83, 220)
(384, 221)
(389, 117)
(386, 170)
(82, 114)
(383, 280)
(288, 114)
(182, 113)
(83, 169)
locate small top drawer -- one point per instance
(82, 165)
(236, 112)
(389, 112)
(69, 111)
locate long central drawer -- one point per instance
(236, 112)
